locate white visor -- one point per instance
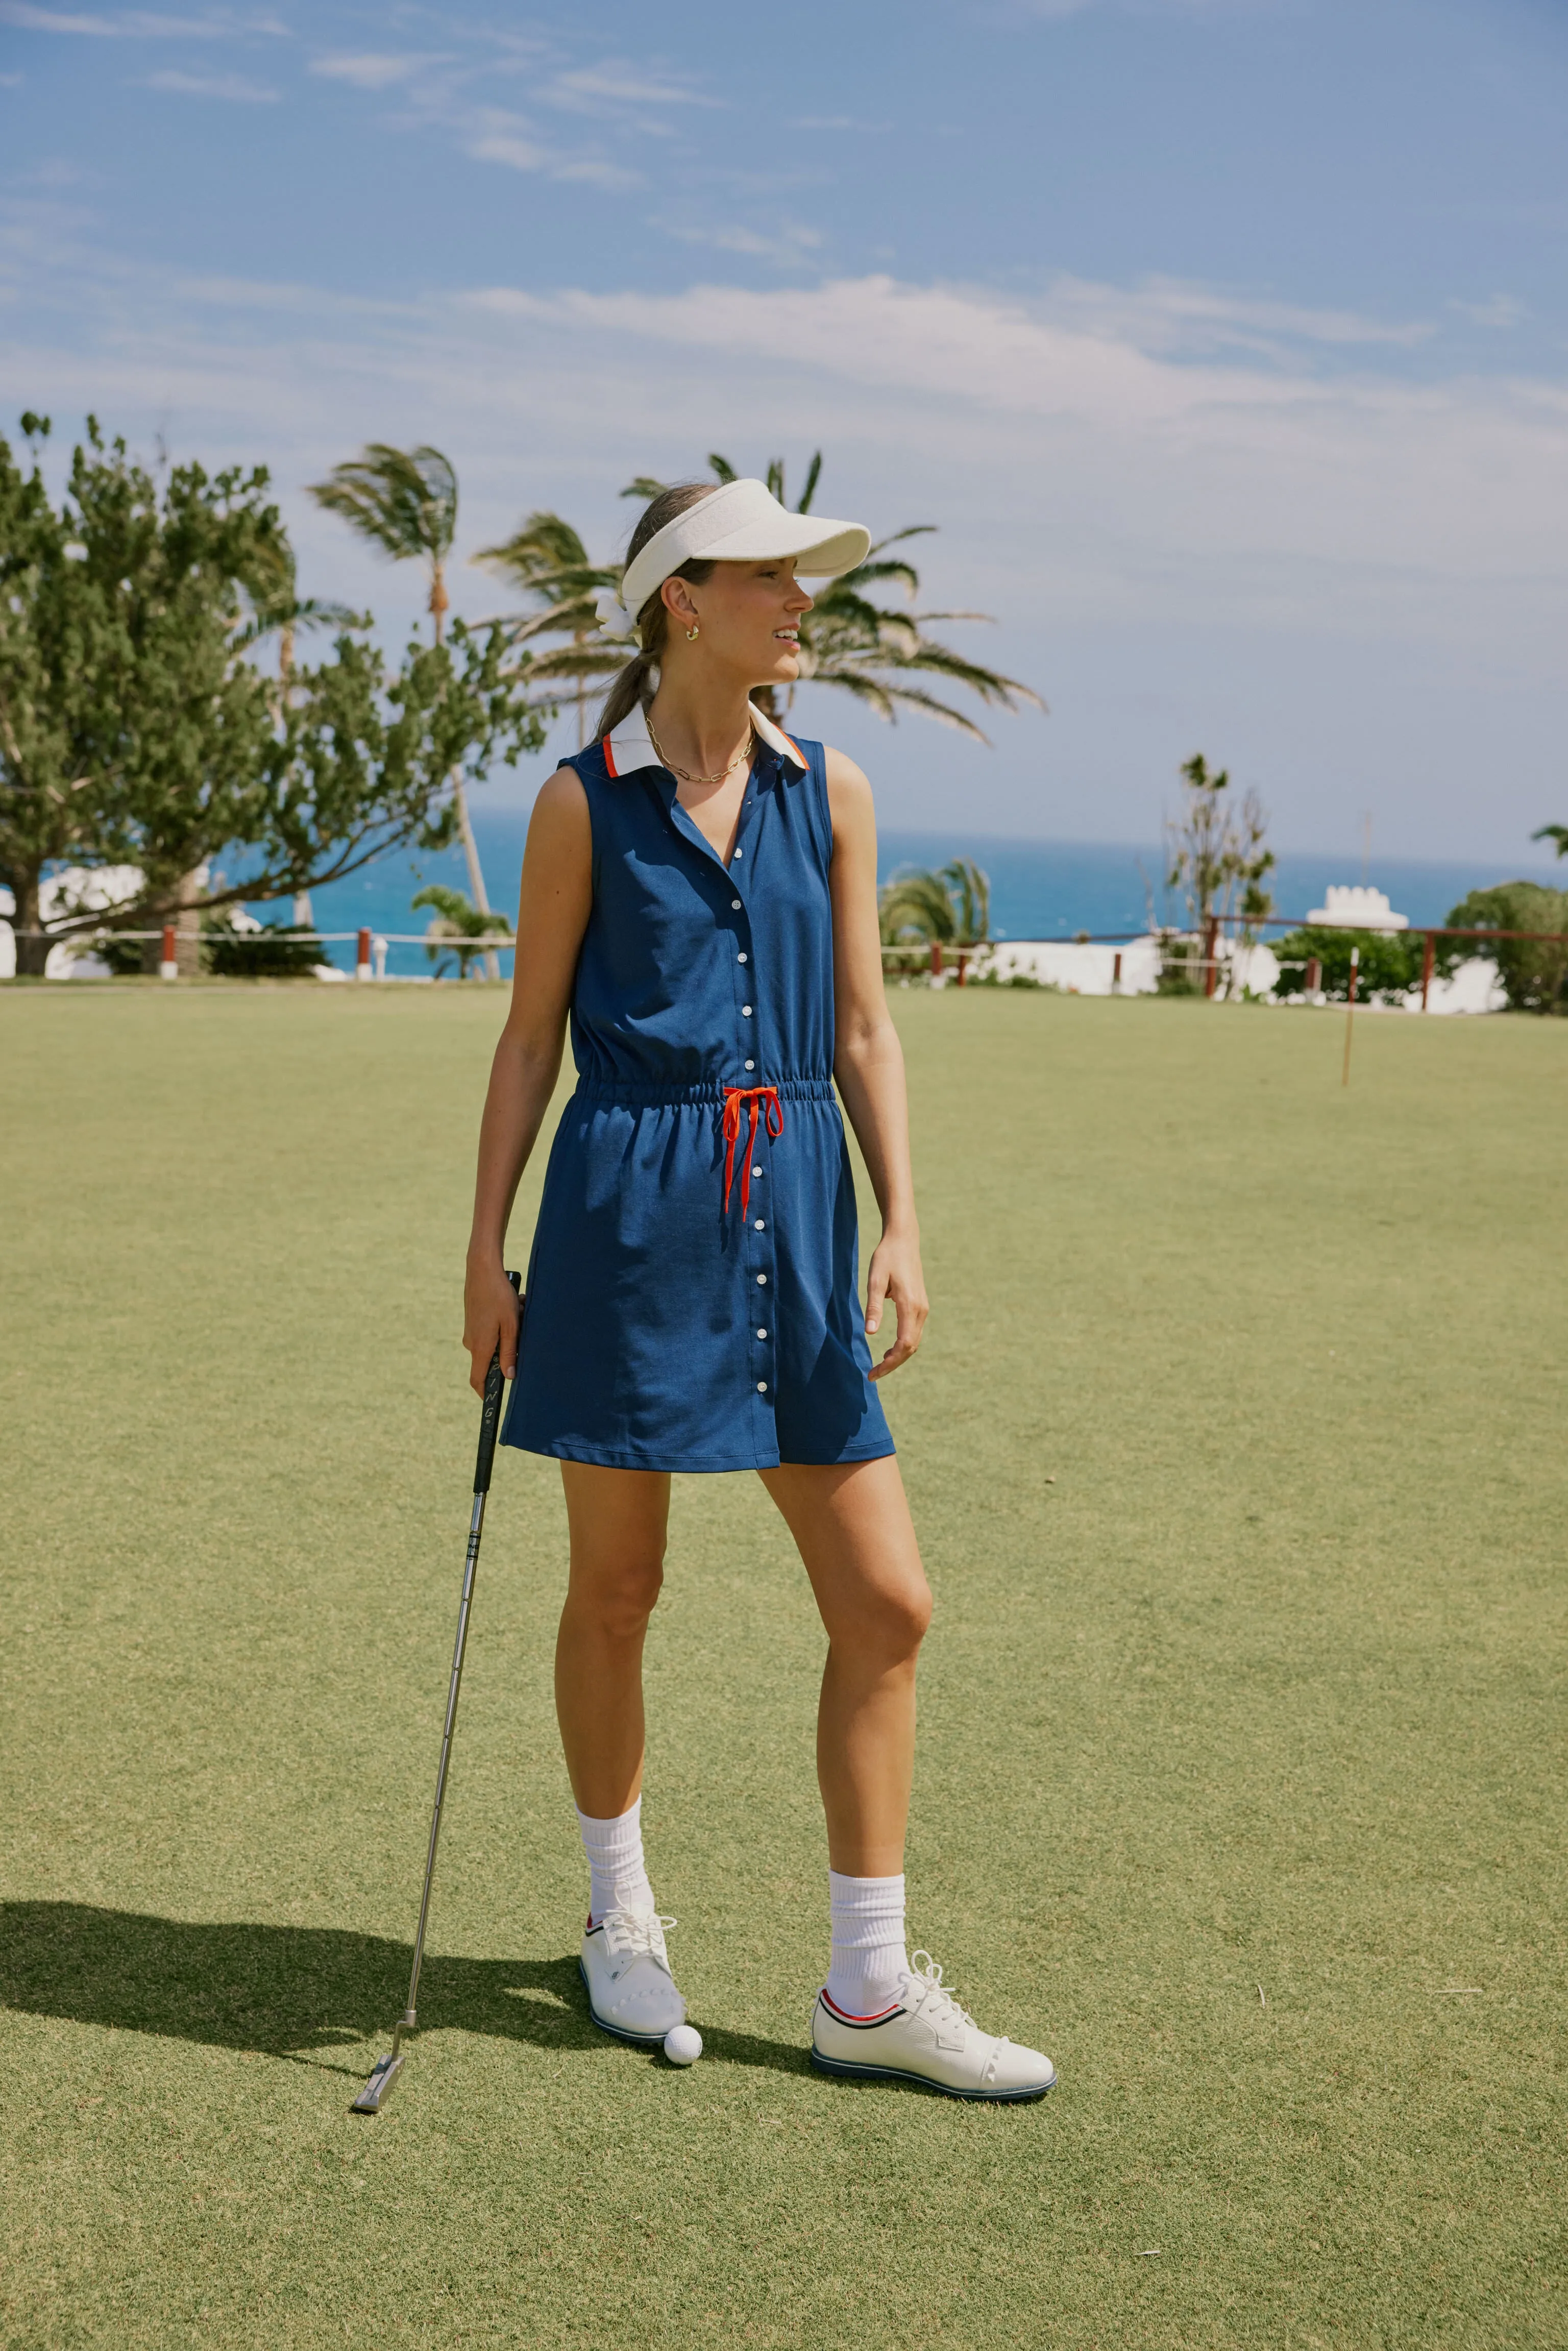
(742, 522)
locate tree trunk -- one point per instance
(32, 954)
(188, 923)
(439, 602)
(476, 877)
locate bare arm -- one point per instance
(868, 1064)
(552, 914)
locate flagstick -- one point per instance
(1350, 1013)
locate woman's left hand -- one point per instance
(895, 1274)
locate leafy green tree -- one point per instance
(547, 560)
(868, 650)
(404, 501)
(1390, 963)
(135, 730)
(1533, 973)
(457, 921)
(1557, 832)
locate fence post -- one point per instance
(935, 958)
(1210, 967)
(1116, 972)
(381, 952)
(1314, 979)
(362, 966)
(1427, 969)
(169, 966)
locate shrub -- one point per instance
(1390, 963)
(277, 951)
(1534, 972)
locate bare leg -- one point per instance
(852, 1529)
(617, 1520)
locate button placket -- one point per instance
(757, 1256)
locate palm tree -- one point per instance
(277, 608)
(548, 562)
(1557, 832)
(454, 923)
(404, 501)
(951, 907)
(863, 647)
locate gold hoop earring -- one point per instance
(691, 632)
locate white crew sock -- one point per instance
(618, 1877)
(869, 1958)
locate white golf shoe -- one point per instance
(926, 2036)
(631, 1991)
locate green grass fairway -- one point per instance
(1239, 1451)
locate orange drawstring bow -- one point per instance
(766, 1104)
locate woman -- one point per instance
(699, 893)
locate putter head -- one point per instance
(379, 2087)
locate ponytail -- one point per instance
(629, 686)
(638, 682)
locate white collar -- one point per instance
(631, 747)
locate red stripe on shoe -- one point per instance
(878, 2016)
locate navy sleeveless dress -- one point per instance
(692, 1290)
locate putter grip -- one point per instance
(490, 1411)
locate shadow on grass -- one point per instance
(285, 1991)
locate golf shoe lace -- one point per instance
(635, 1935)
(937, 2002)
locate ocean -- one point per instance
(1039, 889)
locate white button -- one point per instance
(762, 1282)
(761, 1225)
(757, 1170)
(751, 1065)
(741, 956)
(746, 1011)
(736, 903)
(740, 852)
(762, 1334)
(762, 1387)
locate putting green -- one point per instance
(1237, 1448)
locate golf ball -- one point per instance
(682, 2045)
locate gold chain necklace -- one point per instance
(665, 760)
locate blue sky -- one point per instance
(1226, 343)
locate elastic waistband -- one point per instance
(709, 1092)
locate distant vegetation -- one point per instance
(951, 906)
(141, 732)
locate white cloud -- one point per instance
(58, 172)
(494, 136)
(138, 24)
(1502, 310)
(1171, 315)
(617, 84)
(835, 123)
(371, 72)
(237, 88)
(790, 247)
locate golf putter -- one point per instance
(379, 2088)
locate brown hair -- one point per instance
(632, 684)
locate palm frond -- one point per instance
(545, 554)
(894, 569)
(643, 487)
(403, 501)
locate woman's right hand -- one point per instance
(491, 1316)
